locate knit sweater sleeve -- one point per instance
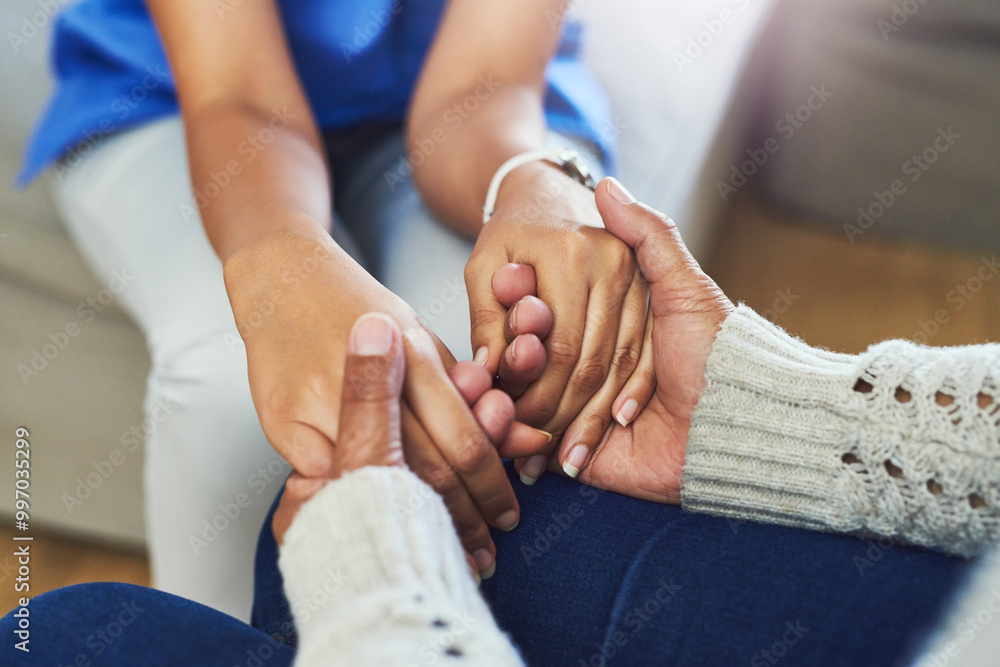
(375, 575)
(902, 441)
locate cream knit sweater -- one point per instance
(901, 441)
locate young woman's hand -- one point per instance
(369, 432)
(597, 295)
(296, 298)
(644, 456)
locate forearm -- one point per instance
(256, 174)
(468, 148)
(900, 441)
(480, 100)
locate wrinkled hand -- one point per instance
(369, 432)
(644, 456)
(295, 300)
(598, 300)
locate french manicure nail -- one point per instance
(548, 436)
(618, 191)
(371, 335)
(533, 468)
(482, 355)
(575, 461)
(485, 562)
(508, 520)
(628, 411)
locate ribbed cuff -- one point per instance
(769, 432)
(374, 544)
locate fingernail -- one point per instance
(485, 562)
(513, 317)
(627, 413)
(482, 355)
(533, 468)
(508, 520)
(574, 462)
(547, 435)
(371, 335)
(618, 191)
(475, 575)
(511, 352)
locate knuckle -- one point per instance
(535, 410)
(281, 405)
(589, 376)
(562, 352)
(368, 378)
(595, 422)
(626, 359)
(575, 249)
(622, 261)
(442, 479)
(489, 318)
(471, 451)
(472, 531)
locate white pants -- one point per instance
(210, 474)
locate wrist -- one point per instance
(542, 186)
(282, 256)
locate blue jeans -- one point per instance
(595, 579)
(589, 578)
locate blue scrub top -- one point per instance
(358, 61)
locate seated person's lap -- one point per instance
(595, 578)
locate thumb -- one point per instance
(662, 256)
(369, 410)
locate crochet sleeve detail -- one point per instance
(902, 441)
